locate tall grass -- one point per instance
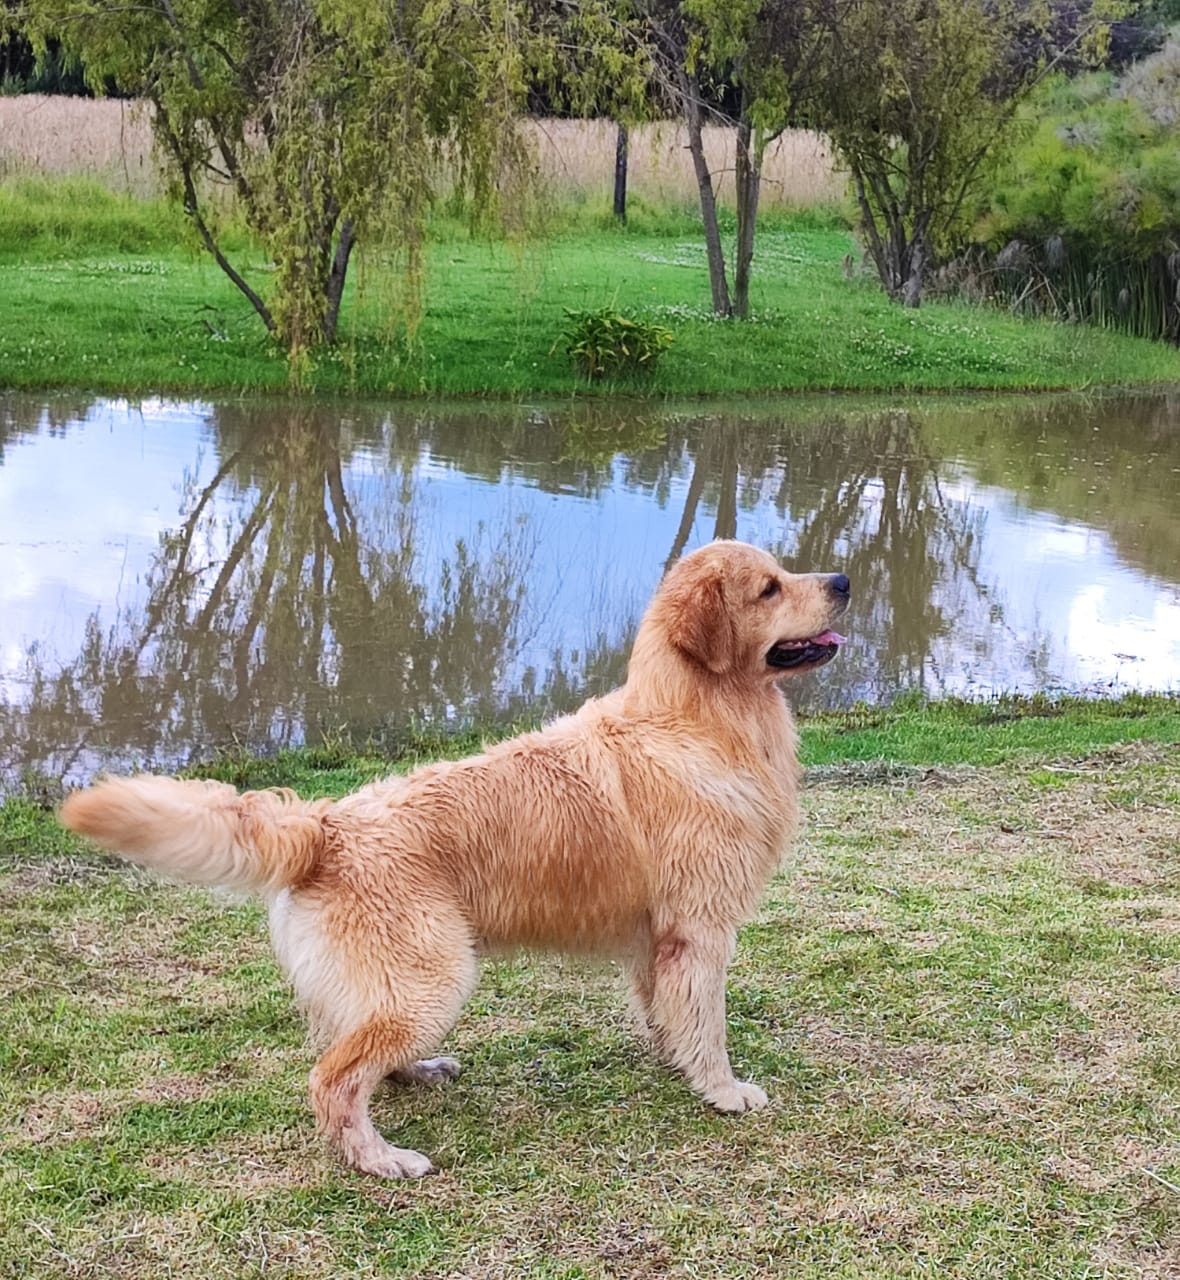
(55, 217)
(577, 161)
(1092, 285)
(110, 142)
(62, 215)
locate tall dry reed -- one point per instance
(110, 142)
(577, 157)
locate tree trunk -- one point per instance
(692, 500)
(748, 183)
(901, 255)
(868, 224)
(192, 207)
(336, 279)
(912, 291)
(718, 281)
(621, 174)
(727, 504)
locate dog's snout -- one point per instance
(839, 585)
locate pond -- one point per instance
(179, 576)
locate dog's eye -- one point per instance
(770, 590)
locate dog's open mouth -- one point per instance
(787, 655)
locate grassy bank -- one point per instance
(99, 295)
(960, 993)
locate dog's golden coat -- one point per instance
(645, 826)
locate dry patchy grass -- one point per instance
(110, 142)
(961, 992)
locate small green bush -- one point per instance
(605, 343)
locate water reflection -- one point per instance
(183, 576)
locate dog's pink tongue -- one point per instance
(828, 637)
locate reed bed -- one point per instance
(110, 142)
(577, 157)
(107, 141)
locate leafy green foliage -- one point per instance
(605, 343)
(917, 97)
(1096, 163)
(1085, 213)
(331, 122)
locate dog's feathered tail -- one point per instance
(203, 832)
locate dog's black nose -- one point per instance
(839, 583)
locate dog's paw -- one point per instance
(738, 1096)
(427, 1071)
(436, 1070)
(393, 1162)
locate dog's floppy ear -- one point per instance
(699, 623)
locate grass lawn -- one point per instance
(99, 294)
(961, 993)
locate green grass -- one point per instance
(105, 294)
(915, 732)
(908, 735)
(960, 993)
(61, 217)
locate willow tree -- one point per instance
(328, 119)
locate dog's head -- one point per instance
(732, 609)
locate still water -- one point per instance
(178, 576)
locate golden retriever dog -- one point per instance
(643, 827)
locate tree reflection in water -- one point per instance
(311, 587)
(857, 493)
(861, 496)
(879, 511)
(270, 615)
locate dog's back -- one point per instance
(532, 839)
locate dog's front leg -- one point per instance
(684, 991)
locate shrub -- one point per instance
(1084, 217)
(605, 343)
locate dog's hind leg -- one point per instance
(684, 994)
(341, 1086)
(415, 1013)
